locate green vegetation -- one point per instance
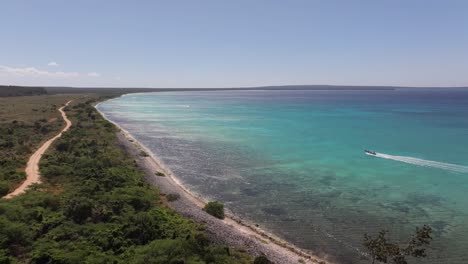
(158, 173)
(25, 123)
(95, 207)
(380, 249)
(215, 209)
(173, 197)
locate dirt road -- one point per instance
(32, 167)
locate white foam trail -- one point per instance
(424, 163)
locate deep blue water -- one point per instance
(293, 161)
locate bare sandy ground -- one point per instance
(231, 231)
(32, 167)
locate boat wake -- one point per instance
(423, 163)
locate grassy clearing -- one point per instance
(29, 109)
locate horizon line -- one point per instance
(242, 87)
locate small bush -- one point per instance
(215, 209)
(143, 154)
(262, 260)
(173, 197)
(158, 173)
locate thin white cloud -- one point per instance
(34, 72)
(94, 74)
(52, 63)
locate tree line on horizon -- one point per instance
(13, 90)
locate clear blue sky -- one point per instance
(233, 43)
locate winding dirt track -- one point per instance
(32, 167)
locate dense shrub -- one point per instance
(79, 209)
(215, 209)
(173, 197)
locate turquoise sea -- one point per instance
(293, 161)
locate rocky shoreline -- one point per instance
(231, 231)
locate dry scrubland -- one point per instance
(25, 123)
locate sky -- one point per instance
(237, 43)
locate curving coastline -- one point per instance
(233, 230)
